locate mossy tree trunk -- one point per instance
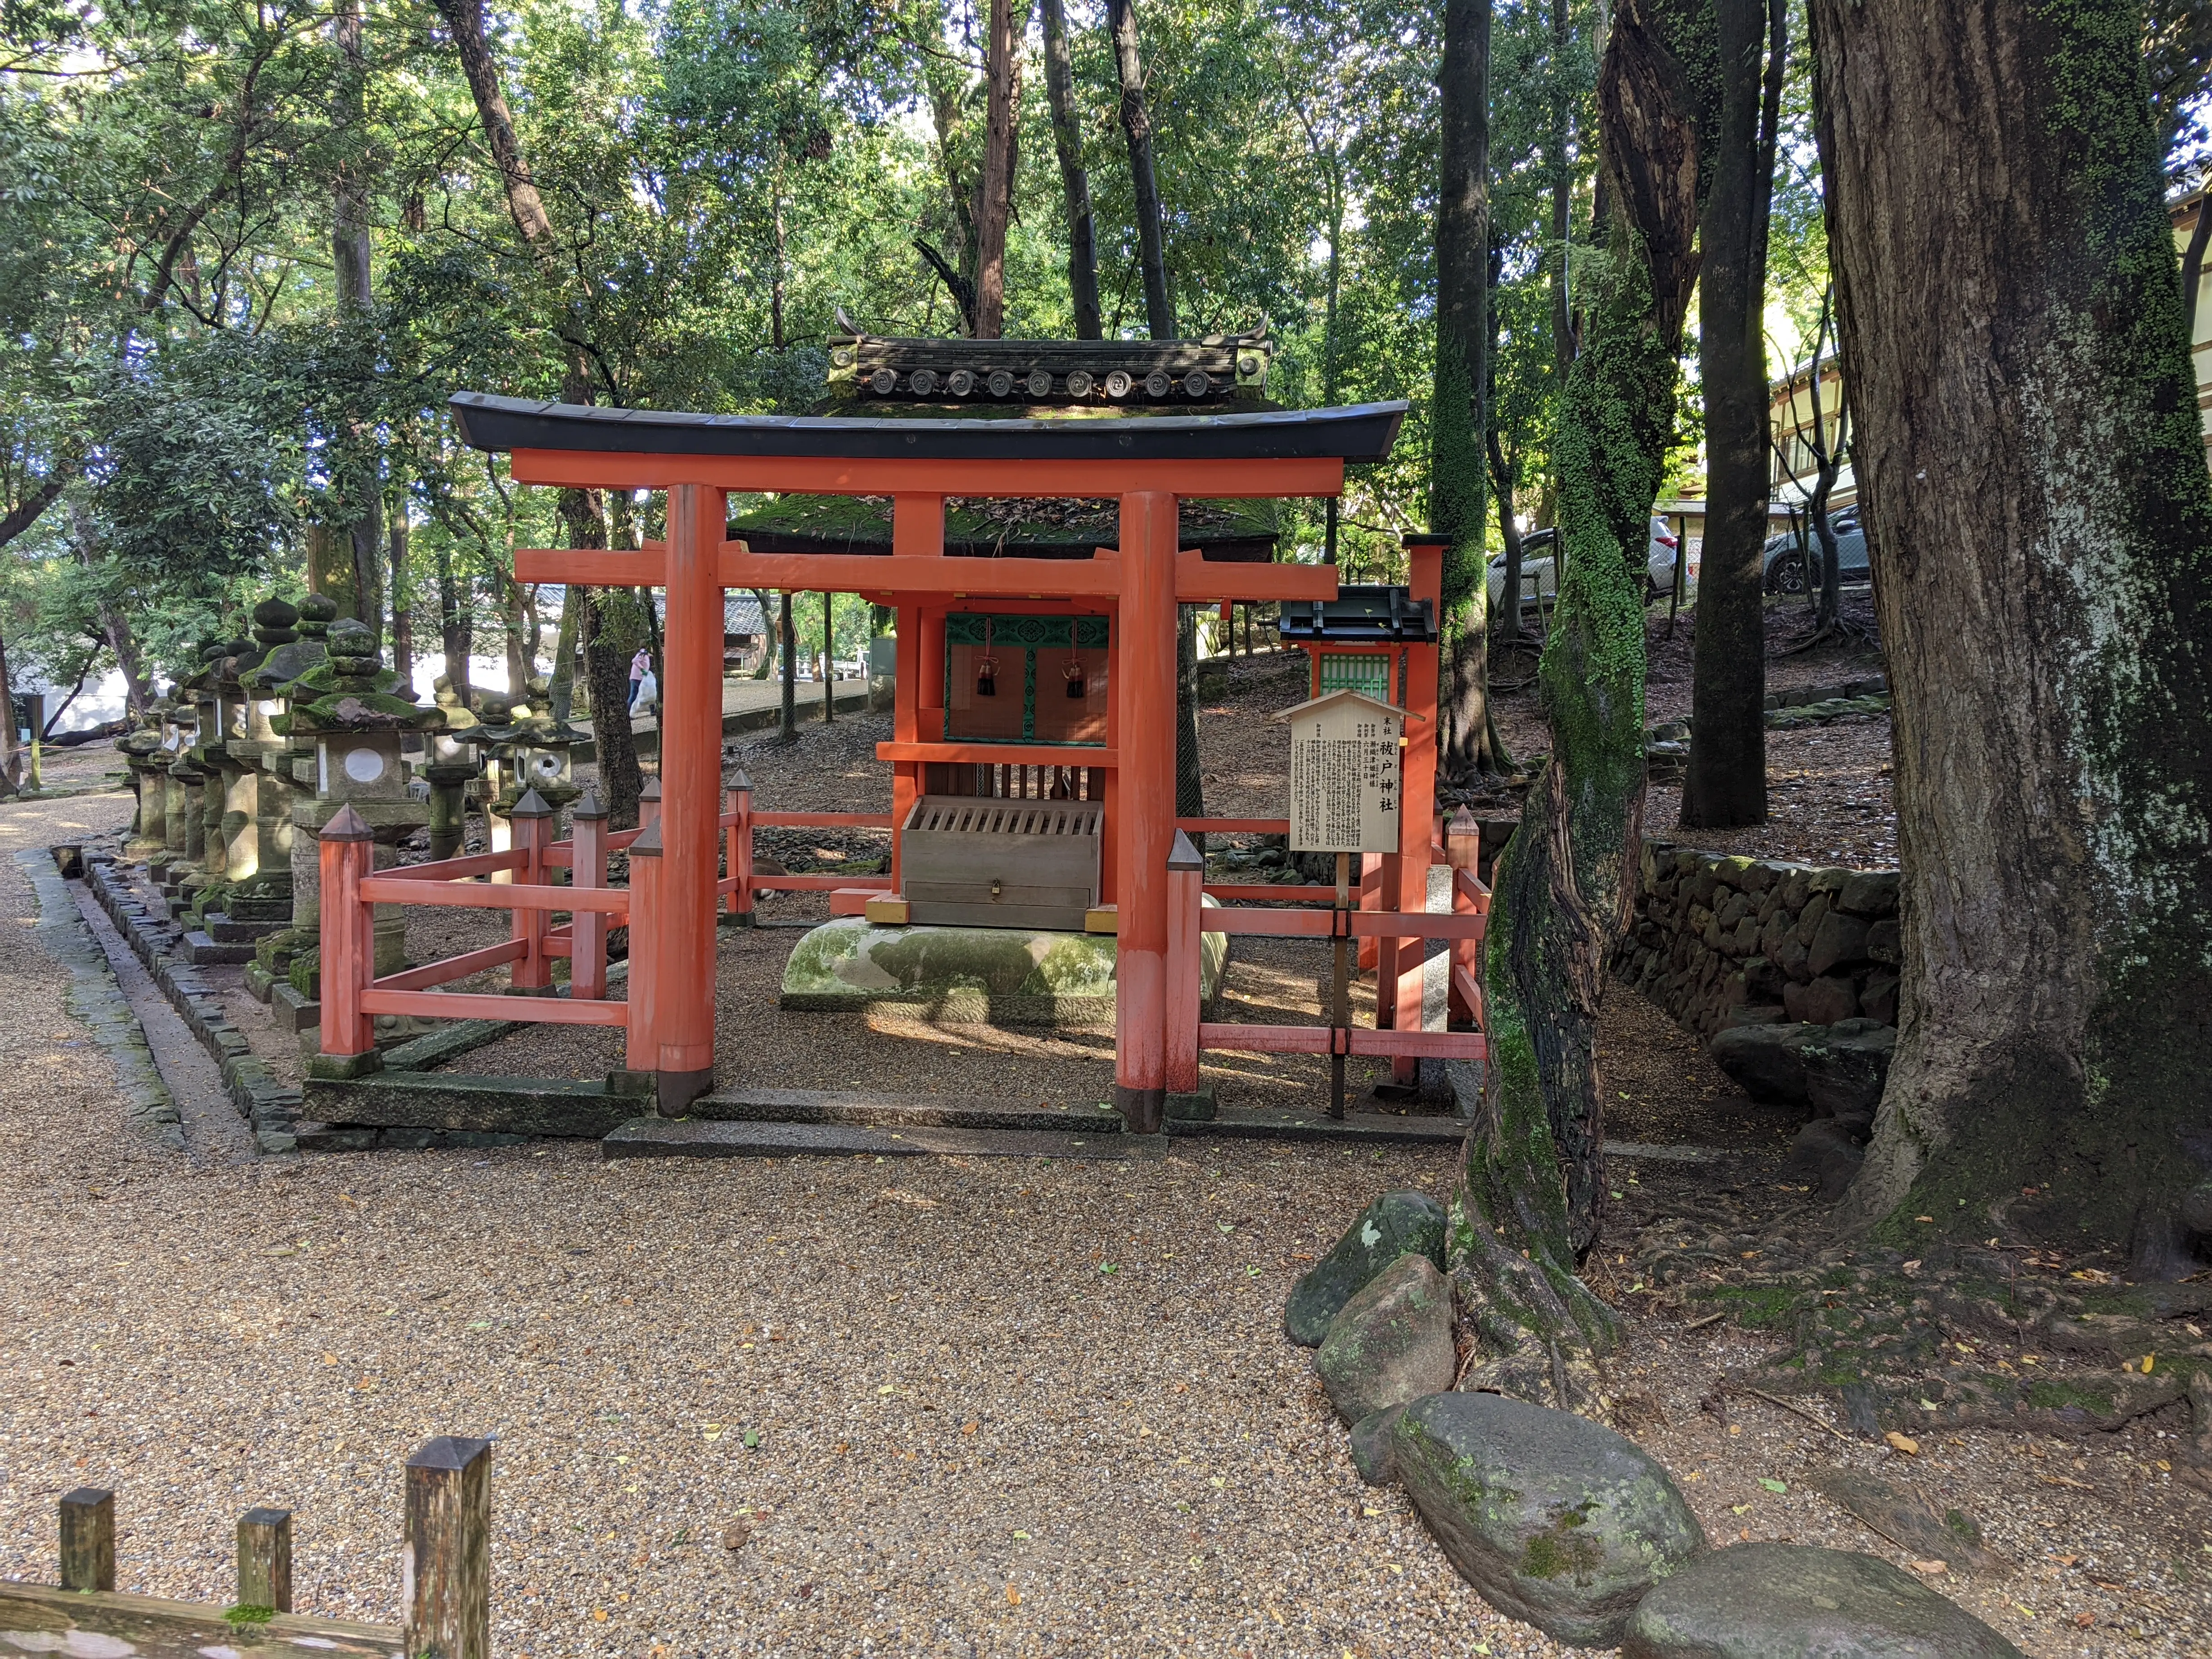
(2032, 474)
(1457, 508)
(1532, 1184)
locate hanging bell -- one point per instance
(1073, 675)
(987, 676)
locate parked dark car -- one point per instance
(1788, 571)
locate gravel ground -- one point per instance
(1002, 1405)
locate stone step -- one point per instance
(1372, 1127)
(864, 1108)
(202, 952)
(654, 1137)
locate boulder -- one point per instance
(1847, 1067)
(1391, 1343)
(1371, 1446)
(1823, 1002)
(1395, 1224)
(1839, 941)
(1555, 1519)
(1886, 942)
(1786, 1600)
(1764, 1062)
(1870, 893)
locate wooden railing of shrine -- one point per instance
(524, 881)
(446, 1583)
(1455, 847)
(740, 883)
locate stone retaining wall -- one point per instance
(1721, 939)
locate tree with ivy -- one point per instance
(1530, 1200)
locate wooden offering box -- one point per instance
(978, 861)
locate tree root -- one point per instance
(1839, 632)
(1962, 1339)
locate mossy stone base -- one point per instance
(963, 976)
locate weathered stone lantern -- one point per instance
(143, 751)
(450, 769)
(355, 712)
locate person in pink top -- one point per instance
(640, 671)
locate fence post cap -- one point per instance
(1182, 855)
(587, 805)
(647, 844)
(448, 1451)
(1462, 822)
(532, 805)
(348, 825)
(739, 780)
(652, 790)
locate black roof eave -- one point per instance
(1360, 433)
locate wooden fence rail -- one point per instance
(445, 1586)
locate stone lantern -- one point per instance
(287, 760)
(452, 767)
(258, 779)
(521, 751)
(142, 752)
(355, 712)
(176, 714)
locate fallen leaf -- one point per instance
(970, 1427)
(1773, 1485)
(1903, 1443)
(1931, 1568)
(736, 1538)
(2085, 1621)
(1013, 1596)
(599, 1615)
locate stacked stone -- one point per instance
(1721, 939)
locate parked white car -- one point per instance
(1536, 562)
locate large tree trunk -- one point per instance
(787, 641)
(403, 614)
(1456, 459)
(1137, 125)
(1002, 77)
(1726, 786)
(456, 625)
(1075, 181)
(1532, 1188)
(359, 492)
(2033, 488)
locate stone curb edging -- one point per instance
(269, 1106)
(94, 996)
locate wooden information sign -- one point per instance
(1345, 777)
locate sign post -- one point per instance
(1346, 788)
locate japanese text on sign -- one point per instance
(1345, 778)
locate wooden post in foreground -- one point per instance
(1340, 987)
(265, 1559)
(1185, 963)
(445, 1563)
(587, 950)
(88, 1540)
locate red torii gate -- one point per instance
(1148, 465)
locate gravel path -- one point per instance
(1002, 1407)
